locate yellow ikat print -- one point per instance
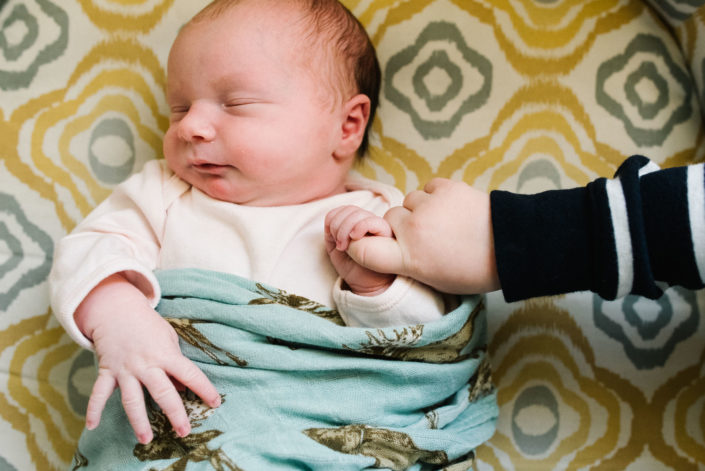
(522, 95)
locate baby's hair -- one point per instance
(337, 32)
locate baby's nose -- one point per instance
(197, 124)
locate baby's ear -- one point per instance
(356, 113)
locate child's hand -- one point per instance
(350, 223)
(136, 347)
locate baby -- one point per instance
(264, 130)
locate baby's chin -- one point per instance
(236, 194)
(266, 200)
(225, 189)
(230, 195)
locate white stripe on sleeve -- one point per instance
(622, 237)
(650, 167)
(696, 214)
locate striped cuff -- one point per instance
(630, 235)
(624, 193)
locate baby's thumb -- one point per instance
(380, 254)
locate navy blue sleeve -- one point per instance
(634, 234)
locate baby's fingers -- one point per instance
(164, 393)
(103, 388)
(335, 220)
(133, 403)
(341, 221)
(193, 378)
(373, 225)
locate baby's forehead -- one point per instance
(290, 25)
(250, 22)
(282, 13)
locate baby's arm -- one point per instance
(136, 347)
(350, 223)
(103, 289)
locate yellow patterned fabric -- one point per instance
(522, 95)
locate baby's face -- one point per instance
(248, 123)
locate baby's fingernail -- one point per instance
(216, 402)
(144, 438)
(90, 425)
(183, 431)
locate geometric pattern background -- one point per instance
(522, 95)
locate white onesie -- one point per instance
(155, 220)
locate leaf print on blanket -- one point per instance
(481, 382)
(190, 449)
(79, 461)
(396, 347)
(464, 463)
(403, 345)
(390, 449)
(279, 296)
(188, 333)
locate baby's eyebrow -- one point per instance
(172, 98)
(240, 80)
(232, 80)
(172, 90)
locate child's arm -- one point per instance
(136, 347)
(349, 223)
(632, 234)
(613, 237)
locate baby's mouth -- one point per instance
(210, 168)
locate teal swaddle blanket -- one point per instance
(302, 391)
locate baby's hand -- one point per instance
(350, 223)
(137, 348)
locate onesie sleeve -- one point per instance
(121, 235)
(405, 302)
(634, 234)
